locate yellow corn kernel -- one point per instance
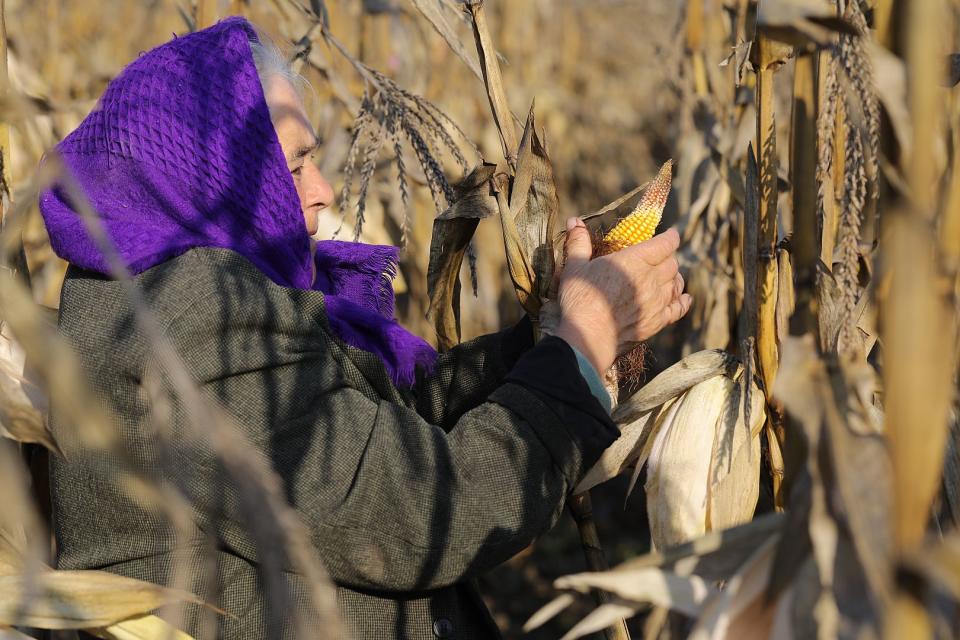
(642, 223)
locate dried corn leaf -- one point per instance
(518, 265)
(801, 22)
(676, 379)
(786, 299)
(535, 207)
(433, 12)
(13, 634)
(645, 585)
(740, 592)
(141, 628)
(716, 555)
(549, 611)
(80, 599)
(618, 456)
(667, 411)
(606, 615)
(452, 231)
(22, 405)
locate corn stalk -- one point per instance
(529, 280)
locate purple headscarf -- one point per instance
(180, 152)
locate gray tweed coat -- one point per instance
(407, 494)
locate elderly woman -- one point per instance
(413, 473)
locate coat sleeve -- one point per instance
(392, 502)
(467, 374)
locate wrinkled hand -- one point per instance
(609, 304)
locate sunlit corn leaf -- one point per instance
(645, 585)
(452, 232)
(80, 599)
(680, 577)
(716, 555)
(141, 628)
(606, 615)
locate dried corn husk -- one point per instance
(679, 465)
(704, 463)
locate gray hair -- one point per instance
(271, 63)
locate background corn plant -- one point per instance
(817, 192)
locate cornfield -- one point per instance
(796, 437)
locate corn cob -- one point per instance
(641, 224)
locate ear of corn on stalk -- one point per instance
(703, 471)
(642, 223)
(679, 464)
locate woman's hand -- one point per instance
(609, 304)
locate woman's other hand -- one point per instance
(610, 303)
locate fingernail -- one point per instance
(572, 223)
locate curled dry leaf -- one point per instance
(452, 232)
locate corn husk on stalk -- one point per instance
(702, 459)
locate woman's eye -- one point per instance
(297, 171)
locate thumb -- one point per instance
(578, 247)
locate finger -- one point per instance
(658, 248)
(578, 247)
(677, 308)
(666, 272)
(678, 286)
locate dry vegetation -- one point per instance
(801, 463)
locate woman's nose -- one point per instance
(317, 191)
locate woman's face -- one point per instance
(299, 143)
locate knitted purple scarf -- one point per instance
(180, 153)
